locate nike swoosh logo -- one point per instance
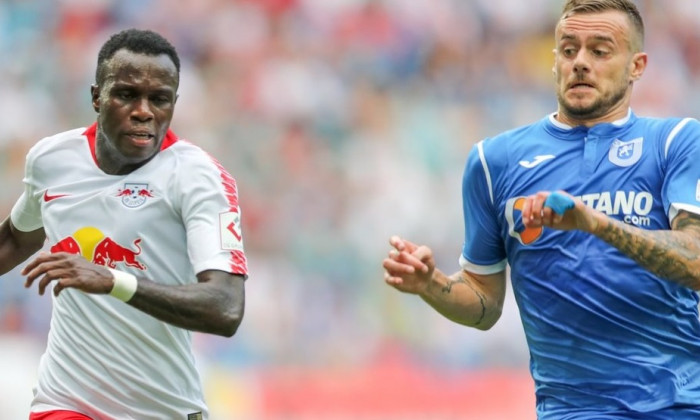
(48, 197)
(538, 159)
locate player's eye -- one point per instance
(161, 100)
(124, 95)
(568, 51)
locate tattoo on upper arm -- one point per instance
(447, 289)
(687, 222)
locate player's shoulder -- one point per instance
(659, 121)
(667, 124)
(57, 143)
(58, 140)
(498, 154)
(501, 145)
(190, 158)
(517, 135)
(667, 131)
(188, 152)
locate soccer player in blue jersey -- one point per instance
(597, 212)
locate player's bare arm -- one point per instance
(16, 246)
(465, 298)
(214, 305)
(672, 254)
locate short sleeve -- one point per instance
(483, 251)
(681, 186)
(212, 217)
(26, 213)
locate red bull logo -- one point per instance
(126, 192)
(134, 194)
(92, 244)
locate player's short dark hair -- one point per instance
(139, 41)
(596, 6)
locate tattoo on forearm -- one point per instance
(447, 289)
(670, 254)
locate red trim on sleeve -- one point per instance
(238, 261)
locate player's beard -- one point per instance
(599, 107)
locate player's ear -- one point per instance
(637, 66)
(95, 94)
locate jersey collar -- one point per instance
(561, 130)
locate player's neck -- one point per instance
(111, 162)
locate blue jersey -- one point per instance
(603, 332)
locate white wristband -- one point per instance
(125, 285)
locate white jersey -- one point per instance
(174, 217)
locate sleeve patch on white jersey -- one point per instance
(230, 227)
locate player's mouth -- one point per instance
(140, 138)
(579, 86)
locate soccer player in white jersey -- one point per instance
(597, 213)
(145, 247)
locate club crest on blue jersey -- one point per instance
(625, 153)
(134, 194)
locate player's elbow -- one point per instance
(228, 330)
(485, 325)
(228, 323)
(489, 318)
(231, 320)
(483, 322)
(227, 307)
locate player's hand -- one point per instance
(565, 212)
(409, 267)
(67, 270)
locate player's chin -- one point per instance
(583, 110)
(138, 154)
(578, 105)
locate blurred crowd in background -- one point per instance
(343, 122)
